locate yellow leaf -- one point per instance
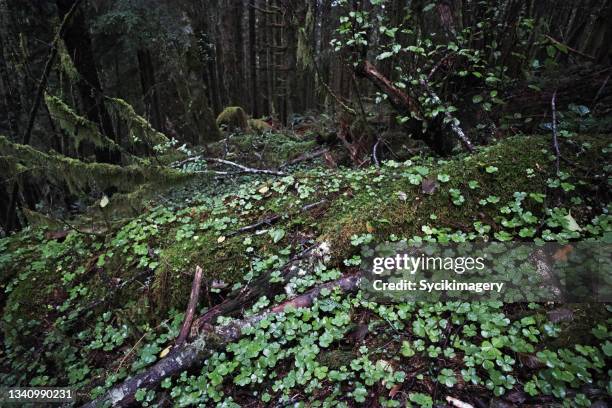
(164, 352)
(369, 227)
(221, 239)
(104, 201)
(263, 190)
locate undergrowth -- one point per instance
(89, 309)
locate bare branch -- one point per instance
(194, 297)
(567, 47)
(374, 154)
(554, 130)
(305, 157)
(272, 220)
(242, 169)
(453, 122)
(190, 354)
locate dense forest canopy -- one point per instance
(188, 190)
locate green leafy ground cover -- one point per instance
(89, 310)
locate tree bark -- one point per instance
(253, 60)
(149, 91)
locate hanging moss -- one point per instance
(66, 64)
(233, 117)
(76, 175)
(140, 129)
(76, 126)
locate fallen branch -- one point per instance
(272, 220)
(374, 154)
(400, 100)
(242, 169)
(245, 169)
(242, 297)
(458, 403)
(185, 356)
(600, 90)
(305, 157)
(193, 303)
(409, 106)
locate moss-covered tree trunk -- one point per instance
(79, 45)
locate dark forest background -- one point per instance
(180, 63)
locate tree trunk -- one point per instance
(79, 46)
(149, 91)
(253, 60)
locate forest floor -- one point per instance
(97, 303)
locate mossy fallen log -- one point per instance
(259, 125)
(382, 205)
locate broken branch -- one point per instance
(554, 130)
(193, 303)
(272, 220)
(242, 169)
(189, 354)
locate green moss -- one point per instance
(77, 175)
(140, 129)
(386, 214)
(334, 359)
(233, 117)
(36, 218)
(219, 261)
(75, 126)
(259, 126)
(267, 150)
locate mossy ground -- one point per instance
(268, 150)
(51, 284)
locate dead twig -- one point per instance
(272, 220)
(598, 94)
(567, 47)
(374, 154)
(554, 130)
(458, 403)
(194, 297)
(241, 168)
